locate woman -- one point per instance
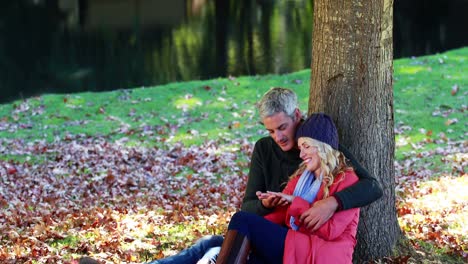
(279, 237)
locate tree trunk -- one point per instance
(352, 66)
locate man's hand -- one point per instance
(271, 199)
(319, 213)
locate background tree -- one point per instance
(351, 79)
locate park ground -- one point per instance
(138, 174)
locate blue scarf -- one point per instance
(307, 188)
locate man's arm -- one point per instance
(364, 192)
(256, 182)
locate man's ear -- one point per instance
(297, 115)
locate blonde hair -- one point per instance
(332, 164)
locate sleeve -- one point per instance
(364, 192)
(298, 207)
(256, 182)
(277, 216)
(338, 223)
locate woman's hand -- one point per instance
(272, 199)
(286, 197)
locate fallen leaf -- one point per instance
(12, 170)
(454, 89)
(451, 121)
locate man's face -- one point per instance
(282, 129)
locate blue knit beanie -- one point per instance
(319, 126)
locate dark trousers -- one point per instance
(266, 238)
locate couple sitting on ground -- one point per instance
(314, 219)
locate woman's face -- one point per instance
(309, 154)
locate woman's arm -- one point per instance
(340, 221)
(278, 215)
(337, 224)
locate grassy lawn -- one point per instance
(136, 174)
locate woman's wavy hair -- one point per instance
(332, 163)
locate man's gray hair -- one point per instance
(277, 100)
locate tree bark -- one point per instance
(351, 79)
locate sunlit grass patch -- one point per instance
(411, 69)
(436, 213)
(187, 103)
(69, 241)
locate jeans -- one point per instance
(194, 253)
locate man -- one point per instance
(274, 159)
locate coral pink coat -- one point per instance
(333, 242)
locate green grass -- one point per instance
(196, 111)
(69, 241)
(422, 91)
(426, 113)
(212, 107)
(200, 110)
(440, 253)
